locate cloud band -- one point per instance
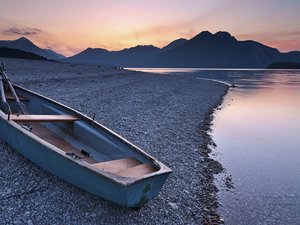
(22, 31)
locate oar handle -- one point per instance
(3, 98)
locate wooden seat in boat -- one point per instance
(52, 138)
(137, 171)
(127, 167)
(114, 166)
(43, 118)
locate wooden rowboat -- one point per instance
(79, 150)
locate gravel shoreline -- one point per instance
(167, 116)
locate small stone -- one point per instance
(29, 222)
(173, 205)
(27, 213)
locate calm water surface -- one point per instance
(257, 133)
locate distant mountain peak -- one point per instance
(25, 44)
(174, 44)
(23, 40)
(223, 35)
(94, 50)
(179, 40)
(220, 35)
(204, 35)
(143, 47)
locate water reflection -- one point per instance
(257, 134)
(244, 78)
(258, 140)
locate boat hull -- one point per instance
(133, 195)
(124, 191)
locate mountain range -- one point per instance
(26, 45)
(205, 50)
(219, 50)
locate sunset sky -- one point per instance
(70, 26)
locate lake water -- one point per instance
(257, 133)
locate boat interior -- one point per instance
(76, 136)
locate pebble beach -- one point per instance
(167, 116)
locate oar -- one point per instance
(22, 107)
(3, 98)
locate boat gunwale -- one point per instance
(124, 181)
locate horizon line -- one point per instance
(124, 48)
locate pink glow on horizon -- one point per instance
(70, 26)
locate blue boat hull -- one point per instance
(124, 191)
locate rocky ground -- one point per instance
(167, 116)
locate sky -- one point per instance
(70, 26)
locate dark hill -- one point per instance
(16, 53)
(139, 55)
(174, 44)
(26, 45)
